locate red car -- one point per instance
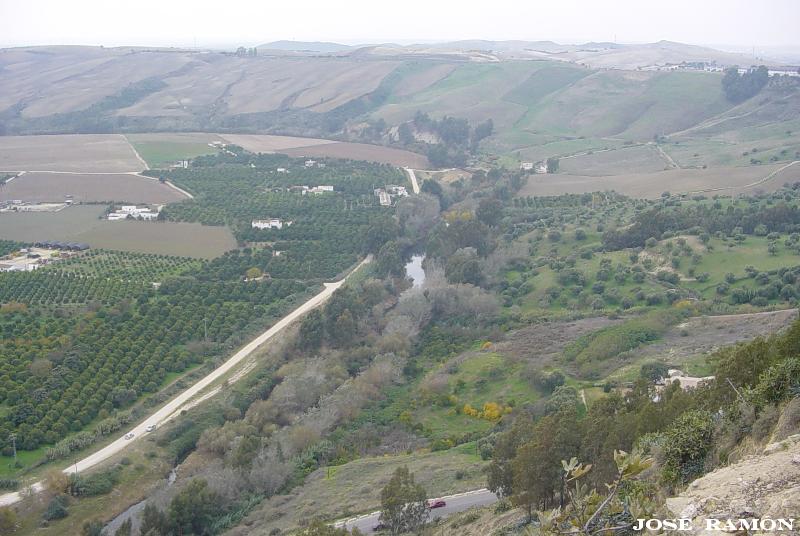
(436, 503)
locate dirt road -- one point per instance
(413, 177)
(174, 406)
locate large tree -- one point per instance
(404, 505)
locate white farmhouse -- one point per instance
(272, 223)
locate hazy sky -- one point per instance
(743, 23)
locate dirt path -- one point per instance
(184, 400)
(413, 177)
(667, 158)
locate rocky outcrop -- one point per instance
(761, 486)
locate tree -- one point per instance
(320, 528)
(312, 331)
(95, 528)
(552, 165)
(489, 211)
(125, 529)
(154, 521)
(389, 260)
(653, 371)
(253, 273)
(194, 508)
(404, 505)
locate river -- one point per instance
(415, 271)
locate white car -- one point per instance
(128, 436)
(150, 428)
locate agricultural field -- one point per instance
(89, 188)
(362, 151)
(82, 153)
(726, 180)
(264, 143)
(84, 224)
(99, 304)
(138, 267)
(640, 158)
(162, 150)
(318, 148)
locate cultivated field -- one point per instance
(641, 158)
(315, 147)
(118, 187)
(362, 151)
(102, 153)
(163, 149)
(83, 224)
(724, 180)
(264, 143)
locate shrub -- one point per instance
(685, 446)
(57, 508)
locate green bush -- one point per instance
(685, 446)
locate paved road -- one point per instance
(174, 406)
(455, 503)
(413, 177)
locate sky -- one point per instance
(735, 24)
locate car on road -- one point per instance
(150, 428)
(436, 503)
(380, 526)
(128, 436)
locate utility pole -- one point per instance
(14, 447)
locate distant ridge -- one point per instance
(306, 46)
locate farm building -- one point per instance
(272, 223)
(316, 190)
(133, 212)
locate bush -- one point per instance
(9, 483)
(686, 445)
(57, 508)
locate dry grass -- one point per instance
(102, 153)
(355, 487)
(89, 188)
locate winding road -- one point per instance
(183, 400)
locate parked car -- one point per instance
(150, 428)
(380, 526)
(436, 503)
(128, 436)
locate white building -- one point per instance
(272, 223)
(383, 197)
(526, 166)
(540, 168)
(282, 170)
(135, 212)
(310, 163)
(316, 190)
(399, 191)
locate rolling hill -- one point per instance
(545, 99)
